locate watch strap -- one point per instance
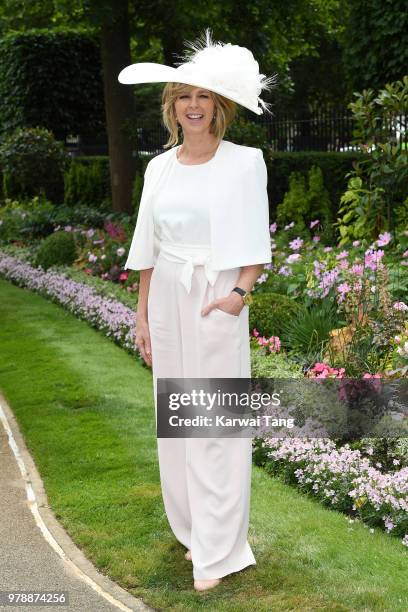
(241, 292)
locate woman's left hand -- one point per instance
(232, 304)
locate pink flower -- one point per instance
(274, 344)
(327, 249)
(255, 332)
(372, 258)
(343, 288)
(405, 254)
(357, 269)
(384, 239)
(316, 238)
(400, 306)
(123, 276)
(356, 243)
(293, 257)
(273, 227)
(313, 223)
(342, 255)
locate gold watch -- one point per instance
(246, 295)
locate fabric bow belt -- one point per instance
(191, 255)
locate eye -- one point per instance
(184, 96)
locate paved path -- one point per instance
(36, 553)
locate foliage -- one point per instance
(308, 334)
(374, 41)
(51, 78)
(274, 365)
(33, 162)
(269, 311)
(36, 218)
(87, 182)
(245, 132)
(378, 185)
(58, 248)
(295, 204)
(301, 203)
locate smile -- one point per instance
(194, 117)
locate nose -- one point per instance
(194, 101)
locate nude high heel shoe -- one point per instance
(205, 585)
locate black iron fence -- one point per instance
(322, 131)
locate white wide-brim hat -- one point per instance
(228, 70)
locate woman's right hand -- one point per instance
(142, 340)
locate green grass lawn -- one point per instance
(85, 407)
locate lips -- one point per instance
(194, 117)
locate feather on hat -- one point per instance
(226, 69)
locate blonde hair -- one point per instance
(225, 111)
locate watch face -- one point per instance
(248, 299)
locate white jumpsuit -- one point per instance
(205, 481)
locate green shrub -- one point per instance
(269, 311)
(242, 131)
(57, 249)
(295, 205)
(86, 182)
(33, 163)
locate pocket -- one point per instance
(228, 314)
(220, 344)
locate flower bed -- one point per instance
(111, 317)
(339, 477)
(344, 480)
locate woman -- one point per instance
(201, 241)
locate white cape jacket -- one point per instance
(239, 209)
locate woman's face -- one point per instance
(194, 110)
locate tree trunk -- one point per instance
(119, 105)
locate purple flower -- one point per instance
(296, 244)
(316, 238)
(262, 278)
(327, 249)
(273, 227)
(284, 271)
(313, 223)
